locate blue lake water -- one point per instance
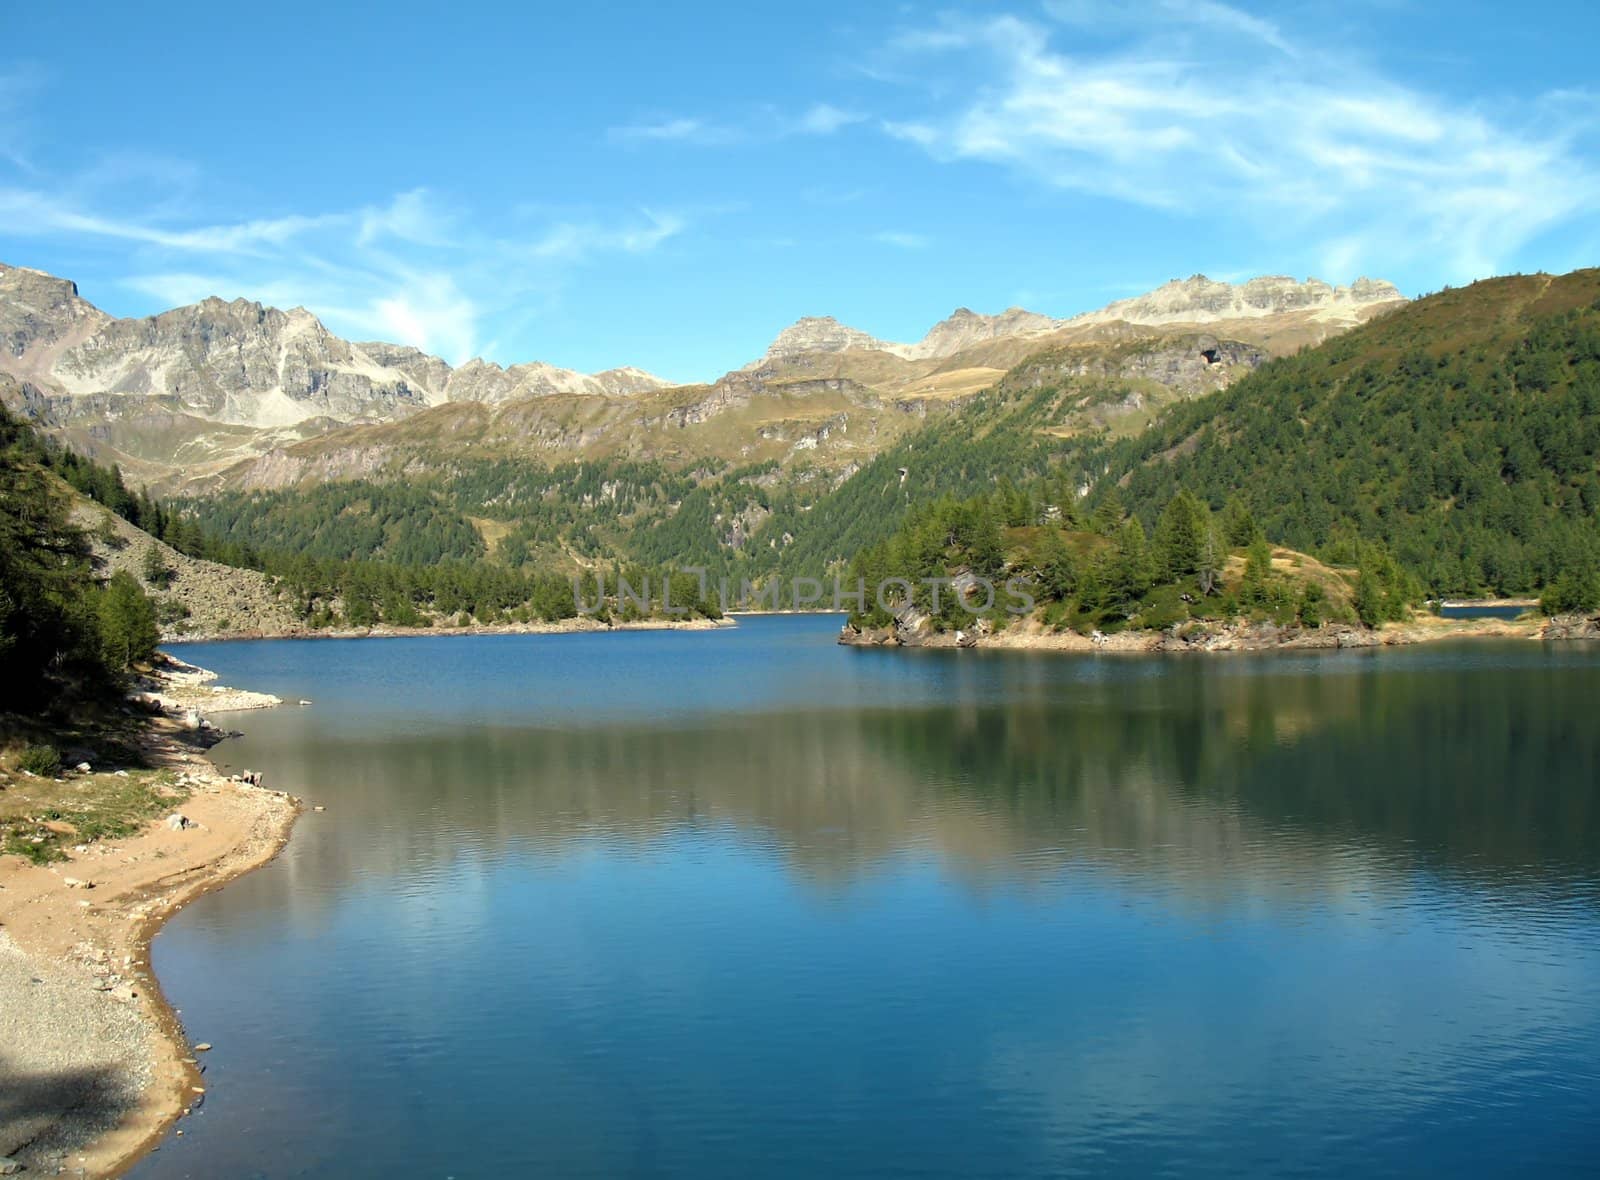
(1476, 610)
(745, 903)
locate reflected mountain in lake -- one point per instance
(750, 903)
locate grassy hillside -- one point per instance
(1463, 431)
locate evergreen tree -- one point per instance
(1134, 567)
(154, 567)
(47, 622)
(1238, 524)
(1109, 513)
(128, 628)
(1058, 571)
(1213, 557)
(1181, 537)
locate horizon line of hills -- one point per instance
(234, 394)
(43, 317)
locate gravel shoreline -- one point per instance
(1031, 635)
(96, 1065)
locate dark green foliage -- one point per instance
(49, 640)
(128, 628)
(1181, 537)
(1577, 590)
(1238, 523)
(1109, 512)
(1463, 432)
(1057, 568)
(1384, 590)
(1079, 579)
(361, 520)
(44, 761)
(154, 568)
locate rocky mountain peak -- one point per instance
(246, 363)
(811, 334)
(1199, 299)
(38, 311)
(964, 328)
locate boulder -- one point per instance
(1572, 627)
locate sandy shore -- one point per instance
(94, 1065)
(1031, 635)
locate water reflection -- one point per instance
(854, 913)
(1222, 782)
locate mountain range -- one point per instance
(1458, 433)
(236, 394)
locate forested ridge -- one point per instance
(1449, 447)
(1102, 570)
(66, 633)
(1462, 431)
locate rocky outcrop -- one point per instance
(1196, 300)
(484, 381)
(1184, 364)
(1199, 300)
(195, 598)
(1577, 626)
(911, 629)
(242, 363)
(965, 329)
(820, 334)
(39, 311)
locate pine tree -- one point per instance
(1181, 536)
(1058, 571)
(1108, 513)
(1134, 568)
(128, 628)
(1238, 524)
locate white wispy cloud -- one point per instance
(902, 240)
(17, 88)
(403, 269)
(31, 213)
(1210, 110)
(577, 240)
(824, 119)
(764, 126)
(677, 130)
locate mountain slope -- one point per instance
(200, 386)
(1463, 430)
(181, 398)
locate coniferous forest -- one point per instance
(1451, 447)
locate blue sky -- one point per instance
(669, 185)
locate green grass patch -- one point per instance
(40, 819)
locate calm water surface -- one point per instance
(749, 904)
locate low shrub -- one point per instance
(44, 761)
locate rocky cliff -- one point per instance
(181, 399)
(1196, 300)
(243, 364)
(1200, 300)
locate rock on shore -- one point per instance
(93, 1065)
(1573, 627)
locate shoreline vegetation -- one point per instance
(1198, 580)
(135, 824)
(577, 625)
